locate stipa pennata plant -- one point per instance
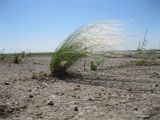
(90, 40)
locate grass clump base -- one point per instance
(65, 57)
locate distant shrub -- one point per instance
(158, 56)
(149, 55)
(23, 54)
(29, 54)
(2, 57)
(145, 63)
(17, 58)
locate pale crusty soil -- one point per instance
(129, 93)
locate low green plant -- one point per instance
(93, 65)
(97, 61)
(17, 58)
(40, 75)
(121, 65)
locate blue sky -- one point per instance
(40, 25)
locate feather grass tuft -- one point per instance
(89, 40)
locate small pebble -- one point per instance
(31, 96)
(75, 89)
(135, 109)
(6, 83)
(152, 91)
(76, 109)
(51, 103)
(156, 85)
(78, 86)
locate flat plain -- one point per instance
(113, 92)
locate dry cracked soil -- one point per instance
(111, 93)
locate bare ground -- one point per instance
(129, 93)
